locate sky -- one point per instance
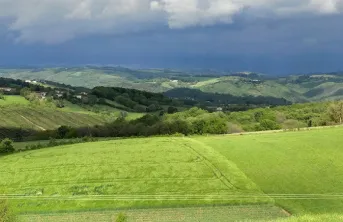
(269, 36)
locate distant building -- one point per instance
(79, 96)
(174, 81)
(42, 95)
(6, 89)
(83, 93)
(219, 109)
(28, 81)
(59, 95)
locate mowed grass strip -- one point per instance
(302, 171)
(123, 174)
(193, 214)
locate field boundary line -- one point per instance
(228, 171)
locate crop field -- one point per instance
(301, 171)
(40, 118)
(121, 174)
(263, 177)
(10, 100)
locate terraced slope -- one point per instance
(152, 172)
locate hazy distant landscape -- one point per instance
(293, 88)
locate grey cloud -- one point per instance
(55, 21)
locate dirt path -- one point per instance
(41, 128)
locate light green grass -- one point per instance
(193, 214)
(311, 218)
(152, 172)
(306, 167)
(10, 100)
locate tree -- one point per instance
(24, 92)
(62, 131)
(2, 96)
(172, 109)
(59, 103)
(6, 146)
(335, 112)
(268, 124)
(152, 108)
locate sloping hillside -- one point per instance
(43, 118)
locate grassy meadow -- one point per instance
(248, 178)
(116, 174)
(10, 100)
(301, 171)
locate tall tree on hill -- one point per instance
(336, 112)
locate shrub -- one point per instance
(6, 146)
(234, 128)
(293, 124)
(269, 125)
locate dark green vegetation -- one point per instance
(196, 121)
(296, 88)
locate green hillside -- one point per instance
(44, 118)
(294, 88)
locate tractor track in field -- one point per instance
(29, 121)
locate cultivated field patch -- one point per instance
(124, 174)
(40, 118)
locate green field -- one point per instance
(256, 175)
(10, 100)
(113, 174)
(303, 171)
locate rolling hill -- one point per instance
(294, 88)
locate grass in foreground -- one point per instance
(123, 173)
(303, 171)
(196, 214)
